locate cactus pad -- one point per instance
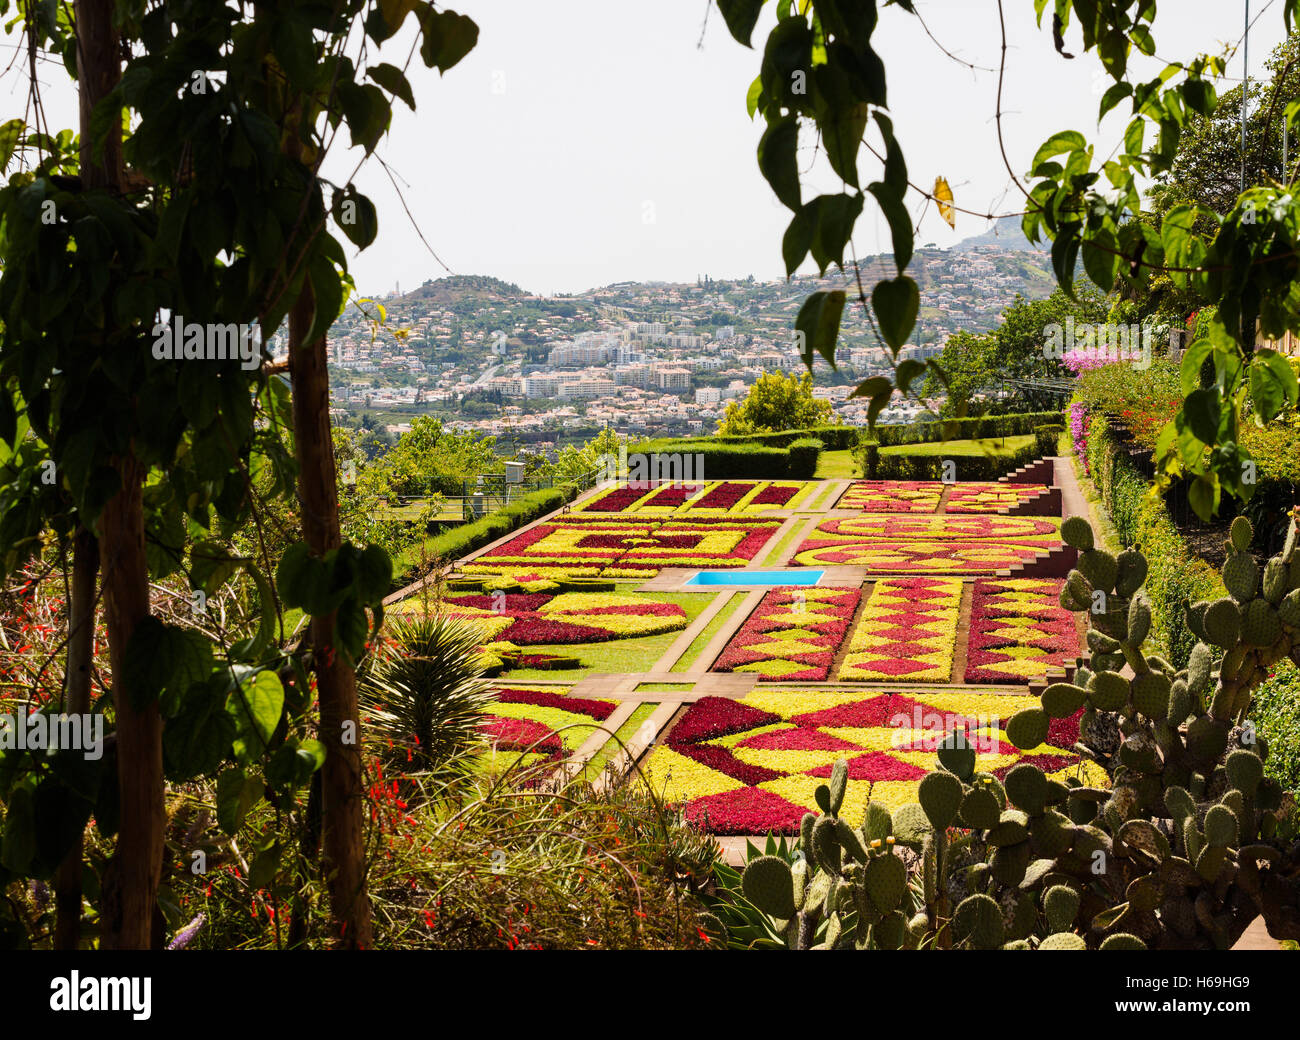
(769, 885)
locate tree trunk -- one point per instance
(76, 701)
(134, 876)
(343, 840)
(139, 733)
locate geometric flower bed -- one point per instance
(566, 618)
(752, 765)
(588, 545)
(907, 631)
(539, 725)
(792, 635)
(1018, 631)
(977, 497)
(931, 545)
(715, 498)
(892, 496)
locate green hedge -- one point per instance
(803, 457)
(1175, 574)
(878, 465)
(1014, 425)
(835, 438)
(1048, 438)
(1276, 711)
(720, 459)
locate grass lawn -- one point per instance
(616, 655)
(837, 465)
(995, 446)
(710, 630)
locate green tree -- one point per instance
(774, 403)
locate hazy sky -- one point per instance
(594, 141)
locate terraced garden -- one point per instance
(903, 610)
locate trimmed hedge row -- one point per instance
(835, 438)
(1175, 574)
(720, 459)
(1014, 425)
(903, 466)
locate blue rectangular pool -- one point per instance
(760, 579)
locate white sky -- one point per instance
(594, 141)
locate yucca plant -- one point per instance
(424, 691)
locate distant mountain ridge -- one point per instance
(1005, 232)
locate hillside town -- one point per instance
(641, 358)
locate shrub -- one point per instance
(1277, 715)
(1047, 438)
(926, 461)
(423, 693)
(803, 458)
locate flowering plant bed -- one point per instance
(907, 631)
(546, 619)
(530, 725)
(990, 497)
(714, 498)
(1018, 631)
(753, 765)
(888, 543)
(625, 548)
(892, 496)
(792, 635)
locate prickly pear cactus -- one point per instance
(1183, 848)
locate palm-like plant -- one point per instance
(424, 692)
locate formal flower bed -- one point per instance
(1018, 631)
(990, 497)
(888, 543)
(714, 498)
(892, 496)
(533, 725)
(750, 766)
(566, 618)
(792, 635)
(907, 632)
(575, 546)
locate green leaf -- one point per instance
(1202, 411)
(1193, 360)
(836, 216)
(895, 175)
(256, 706)
(10, 132)
(741, 16)
(900, 223)
(162, 657)
(393, 80)
(374, 574)
(752, 98)
(907, 371)
(842, 136)
(896, 303)
(1203, 495)
(778, 162)
(448, 37)
(1113, 97)
(250, 649)
(798, 236)
(818, 324)
(1272, 384)
(355, 214)
(236, 794)
(1059, 144)
(1100, 259)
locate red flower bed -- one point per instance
(725, 762)
(750, 810)
(617, 500)
(598, 710)
(724, 496)
(827, 619)
(522, 735)
(774, 495)
(712, 717)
